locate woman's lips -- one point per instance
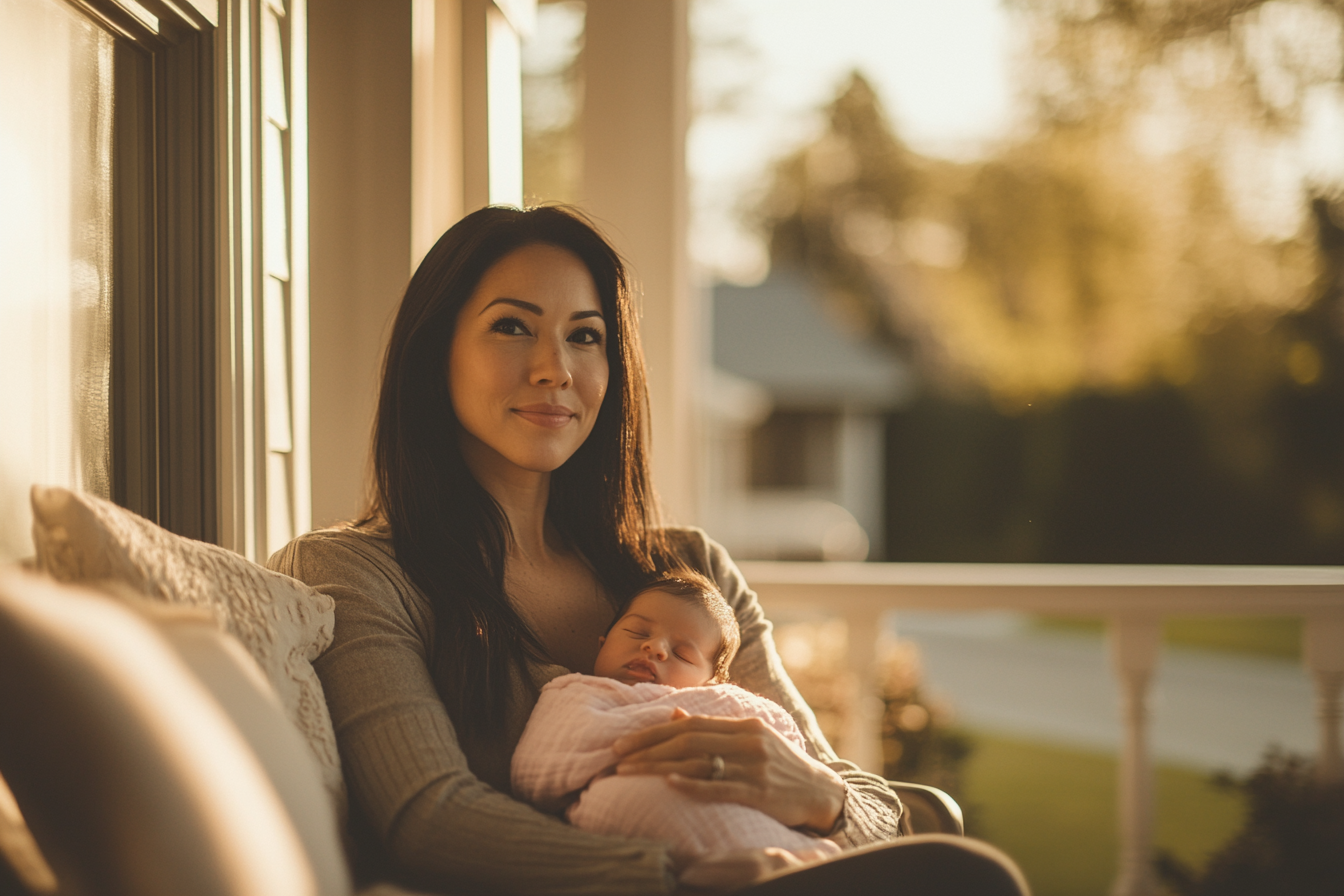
(552, 416)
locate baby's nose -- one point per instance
(655, 648)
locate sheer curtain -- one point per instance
(55, 257)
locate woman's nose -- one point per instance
(549, 365)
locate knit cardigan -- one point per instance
(437, 812)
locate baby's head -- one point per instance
(677, 630)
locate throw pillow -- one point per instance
(282, 622)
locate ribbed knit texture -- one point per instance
(442, 812)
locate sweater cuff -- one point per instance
(871, 813)
(841, 819)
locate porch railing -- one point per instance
(1134, 600)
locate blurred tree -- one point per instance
(1068, 260)
(1166, 374)
(1261, 57)
(833, 205)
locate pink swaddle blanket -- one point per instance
(566, 747)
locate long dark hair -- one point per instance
(449, 534)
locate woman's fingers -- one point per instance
(681, 724)
(694, 745)
(766, 772)
(687, 768)
(716, 791)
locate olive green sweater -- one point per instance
(441, 816)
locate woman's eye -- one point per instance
(586, 336)
(509, 326)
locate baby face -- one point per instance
(661, 638)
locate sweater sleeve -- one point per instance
(872, 810)
(438, 823)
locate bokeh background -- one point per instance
(1045, 281)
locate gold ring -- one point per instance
(716, 767)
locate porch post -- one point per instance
(635, 110)
(1134, 649)
(861, 743)
(1323, 651)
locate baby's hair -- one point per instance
(700, 590)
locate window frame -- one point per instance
(163, 409)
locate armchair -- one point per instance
(151, 752)
(928, 810)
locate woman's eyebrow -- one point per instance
(535, 309)
(517, 303)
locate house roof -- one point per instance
(777, 334)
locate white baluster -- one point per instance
(1323, 652)
(862, 740)
(1135, 641)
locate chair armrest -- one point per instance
(928, 810)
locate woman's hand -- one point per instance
(756, 767)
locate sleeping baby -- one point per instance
(669, 649)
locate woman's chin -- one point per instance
(543, 462)
(487, 461)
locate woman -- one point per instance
(511, 510)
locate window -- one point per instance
(794, 450)
(106, 319)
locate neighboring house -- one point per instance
(796, 420)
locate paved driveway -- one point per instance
(1210, 710)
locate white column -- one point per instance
(475, 106)
(861, 742)
(861, 488)
(491, 101)
(504, 87)
(634, 184)
(1323, 651)
(436, 122)
(1135, 641)
(359, 163)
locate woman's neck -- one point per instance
(523, 496)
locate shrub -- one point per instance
(1292, 843)
(918, 741)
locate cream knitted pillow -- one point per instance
(282, 622)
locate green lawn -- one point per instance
(1053, 810)
(1273, 636)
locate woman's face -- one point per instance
(527, 367)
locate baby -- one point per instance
(670, 648)
(677, 631)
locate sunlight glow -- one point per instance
(55, 251)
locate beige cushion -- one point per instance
(282, 622)
(143, 773)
